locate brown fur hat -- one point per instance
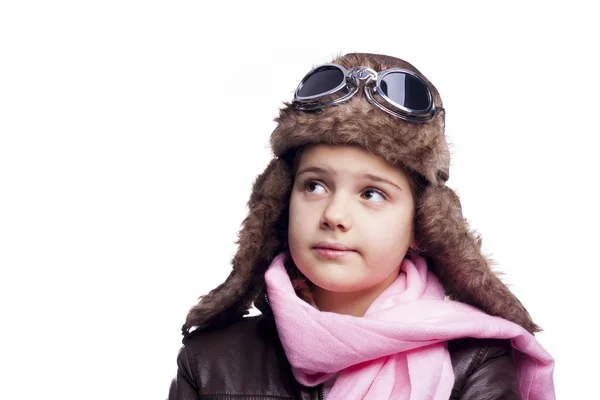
(442, 234)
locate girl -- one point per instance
(370, 282)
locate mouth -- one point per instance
(332, 246)
(329, 250)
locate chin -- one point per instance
(335, 279)
(340, 287)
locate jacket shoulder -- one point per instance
(227, 338)
(234, 358)
(483, 368)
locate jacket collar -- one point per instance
(262, 303)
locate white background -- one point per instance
(131, 132)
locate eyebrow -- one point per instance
(363, 175)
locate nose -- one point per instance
(336, 215)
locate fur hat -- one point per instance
(442, 234)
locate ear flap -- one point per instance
(454, 254)
(258, 243)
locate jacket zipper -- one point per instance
(321, 390)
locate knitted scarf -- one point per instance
(397, 350)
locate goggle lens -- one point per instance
(322, 80)
(405, 90)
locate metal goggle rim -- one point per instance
(351, 84)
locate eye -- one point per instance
(310, 184)
(375, 193)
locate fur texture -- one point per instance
(443, 236)
(420, 148)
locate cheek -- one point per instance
(392, 236)
(297, 221)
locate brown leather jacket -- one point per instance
(245, 360)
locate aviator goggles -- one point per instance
(399, 92)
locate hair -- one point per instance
(300, 282)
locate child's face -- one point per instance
(339, 205)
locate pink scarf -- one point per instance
(398, 349)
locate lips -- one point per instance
(332, 246)
(332, 251)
